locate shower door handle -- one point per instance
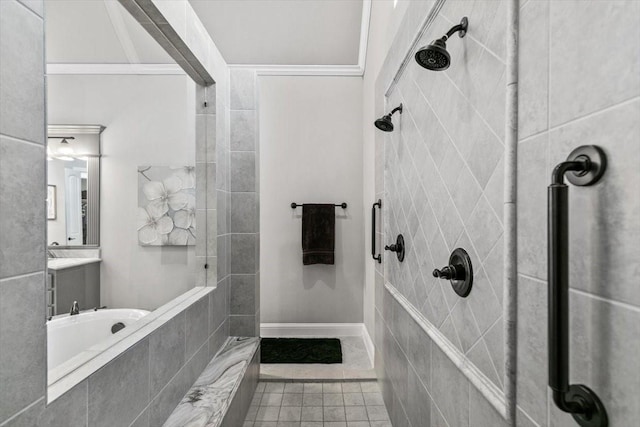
(373, 231)
(584, 166)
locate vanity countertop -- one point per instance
(62, 263)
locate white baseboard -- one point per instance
(310, 330)
(368, 343)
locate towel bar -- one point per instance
(343, 205)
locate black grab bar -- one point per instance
(373, 231)
(584, 167)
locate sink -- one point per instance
(61, 263)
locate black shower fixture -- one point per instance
(434, 56)
(384, 123)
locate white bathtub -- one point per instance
(68, 336)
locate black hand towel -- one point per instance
(318, 234)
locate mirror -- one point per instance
(121, 180)
(73, 185)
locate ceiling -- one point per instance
(275, 32)
(97, 32)
(284, 32)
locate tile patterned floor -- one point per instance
(356, 365)
(327, 404)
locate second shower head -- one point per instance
(434, 56)
(384, 123)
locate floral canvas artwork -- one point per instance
(166, 205)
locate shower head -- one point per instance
(434, 56)
(384, 123)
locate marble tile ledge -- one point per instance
(207, 401)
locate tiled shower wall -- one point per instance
(242, 222)
(443, 185)
(443, 189)
(22, 217)
(568, 99)
(221, 219)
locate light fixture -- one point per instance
(64, 151)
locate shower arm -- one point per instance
(398, 108)
(461, 27)
(452, 31)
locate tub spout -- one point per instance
(75, 309)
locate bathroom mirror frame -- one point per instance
(93, 223)
(194, 65)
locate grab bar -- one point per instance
(373, 231)
(584, 166)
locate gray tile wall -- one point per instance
(207, 138)
(22, 218)
(440, 176)
(221, 244)
(444, 182)
(144, 384)
(420, 384)
(243, 206)
(566, 101)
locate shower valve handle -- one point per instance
(397, 247)
(393, 248)
(459, 272)
(450, 272)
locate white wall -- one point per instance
(310, 151)
(148, 121)
(383, 26)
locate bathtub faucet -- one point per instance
(75, 309)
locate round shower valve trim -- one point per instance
(459, 272)
(398, 247)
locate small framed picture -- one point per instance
(52, 206)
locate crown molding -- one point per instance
(115, 69)
(364, 34)
(55, 130)
(301, 70)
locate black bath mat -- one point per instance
(300, 350)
